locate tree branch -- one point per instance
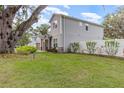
(12, 9)
(10, 12)
(33, 19)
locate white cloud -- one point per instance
(51, 10)
(47, 13)
(42, 20)
(67, 6)
(117, 6)
(92, 17)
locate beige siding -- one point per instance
(74, 31)
(69, 30)
(56, 33)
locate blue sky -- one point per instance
(93, 13)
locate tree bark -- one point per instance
(6, 18)
(9, 38)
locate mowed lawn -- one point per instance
(61, 70)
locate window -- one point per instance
(55, 45)
(86, 27)
(55, 24)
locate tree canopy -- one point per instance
(114, 24)
(41, 30)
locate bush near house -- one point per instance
(111, 47)
(74, 47)
(91, 47)
(26, 49)
(52, 50)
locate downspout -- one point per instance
(60, 33)
(64, 33)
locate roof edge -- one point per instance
(75, 19)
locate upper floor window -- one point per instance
(86, 27)
(54, 24)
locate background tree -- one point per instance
(24, 40)
(114, 24)
(41, 30)
(8, 17)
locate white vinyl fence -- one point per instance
(100, 47)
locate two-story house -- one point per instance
(66, 30)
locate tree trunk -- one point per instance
(9, 38)
(6, 19)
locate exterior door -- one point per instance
(46, 44)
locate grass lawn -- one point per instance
(61, 70)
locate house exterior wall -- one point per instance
(56, 33)
(70, 30)
(74, 31)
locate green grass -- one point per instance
(61, 70)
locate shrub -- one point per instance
(91, 47)
(69, 49)
(74, 47)
(26, 49)
(52, 50)
(111, 47)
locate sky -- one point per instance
(92, 13)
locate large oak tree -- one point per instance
(10, 36)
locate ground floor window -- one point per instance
(55, 45)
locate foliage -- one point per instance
(1, 7)
(69, 49)
(74, 47)
(25, 39)
(41, 30)
(111, 47)
(26, 49)
(52, 50)
(91, 47)
(114, 24)
(22, 15)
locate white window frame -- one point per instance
(54, 24)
